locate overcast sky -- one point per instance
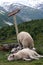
(25, 2)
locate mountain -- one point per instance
(26, 13)
(40, 6)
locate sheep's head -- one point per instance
(13, 50)
(10, 57)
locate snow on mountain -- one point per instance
(40, 6)
(30, 3)
(10, 7)
(2, 12)
(7, 22)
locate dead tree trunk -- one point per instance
(15, 23)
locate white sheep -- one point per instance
(24, 54)
(25, 40)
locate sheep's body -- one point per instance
(25, 54)
(25, 40)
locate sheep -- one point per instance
(24, 54)
(25, 40)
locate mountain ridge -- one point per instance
(26, 13)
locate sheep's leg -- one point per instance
(20, 45)
(26, 59)
(34, 58)
(37, 55)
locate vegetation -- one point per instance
(8, 35)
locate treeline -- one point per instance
(34, 27)
(6, 32)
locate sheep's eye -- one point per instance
(13, 56)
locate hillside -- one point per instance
(34, 27)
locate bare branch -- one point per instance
(13, 12)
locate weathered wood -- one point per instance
(16, 27)
(13, 12)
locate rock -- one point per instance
(7, 47)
